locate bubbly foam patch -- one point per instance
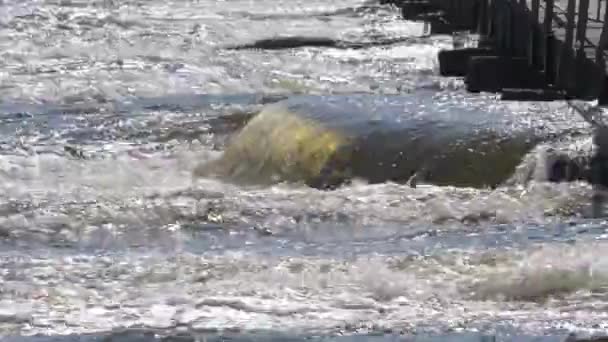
(548, 273)
(106, 52)
(155, 190)
(112, 232)
(313, 294)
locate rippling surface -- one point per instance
(107, 106)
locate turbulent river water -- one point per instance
(107, 106)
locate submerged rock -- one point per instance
(324, 141)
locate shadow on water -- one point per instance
(280, 43)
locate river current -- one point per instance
(107, 106)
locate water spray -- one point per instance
(599, 161)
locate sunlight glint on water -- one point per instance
(107, 106)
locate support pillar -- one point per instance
(494, 73)
(456, 62)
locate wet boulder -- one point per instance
(324, 141)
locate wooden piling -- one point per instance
(452, 8)
(492, 29)
(498, 26)
(601, 62)
(556, 43)
(482, 24)
(548, 43)
(535, 10)
(522, 31)
(581, 30)
(504, 35)
(532, 38)
(506, 22)
(599, 52)
(563, 72)
(570, 23)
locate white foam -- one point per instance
(325, 295)
(122, 195)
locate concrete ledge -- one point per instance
(456, 62)
(494, 73)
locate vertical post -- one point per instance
(600, 61)
(459, 12)
(453, 13)
(482, 24)
(599, 52)
(581, 32)
(521, 31)
(563, 72)
(570, 23)
(499, 31)
(502, 27)
(532, 41)
(599, 171)
(581, 29)
(492, 19)
(509, 43)
(514, 15)
(548, 46)
(450, 11)
(473, 21)
(523, 28)
(535, 10)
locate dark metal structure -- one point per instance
(528, 49)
